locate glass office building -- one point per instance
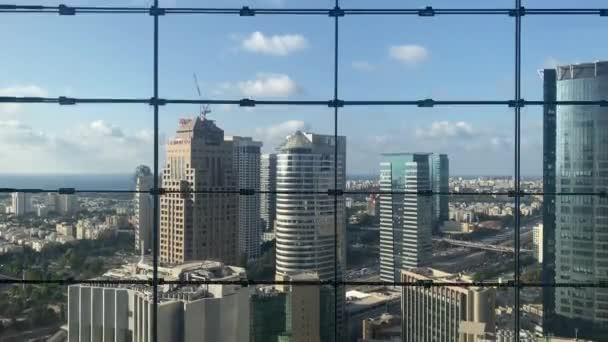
(405, 218)
(581, 222)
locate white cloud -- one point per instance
(95, 147)
(274, 135)
(502, 142)
(275, 45)
(268, 85)
(446, 129)
(409, 54)
(550, 63)
(363, 66)
(13, 124)
(19, 91)
(102, 128)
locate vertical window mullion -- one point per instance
(338, 303)
(155, 246)
(517, 170)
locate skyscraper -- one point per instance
(405, 216)
(581, 222)
(305, 222)
(144, 207)
(246, 162)
(549, 188)
(446, 313)
(268, 184)
(20, 203)
(307, 232)
(199, 218)
(440, 183)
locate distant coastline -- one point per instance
(123, 181)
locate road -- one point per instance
(469, 259)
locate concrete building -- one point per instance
(62, 204)
(186, 313)
(405, 217)
(197, 225)
(65, 229)
(385, 328)
(305, 226)
(21, 203)
(144, 209)
(574, 251)
(537, 242)
(246, 163)
(373, 303)
(372, 206)
(268, 184)
(42, 210)
(446, 313)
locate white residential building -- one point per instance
(186, 313)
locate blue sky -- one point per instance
(282, 57)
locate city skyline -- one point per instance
(79, 139)
(303, 222)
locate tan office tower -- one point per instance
(199, 222)
(445, 313)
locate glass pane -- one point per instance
(264, 57)
(447, 152)
(547, 44)
(431, 61)
(281, 4)
(89, 148)
(564, 4)
(419, 4)
(77, 56)
(300, 218)
(51, 146)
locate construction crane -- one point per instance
(204, 108)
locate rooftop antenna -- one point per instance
(204, 108)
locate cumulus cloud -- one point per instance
(266, 85)
(274, 135)
(102, 128)
(363, 66)
(409, 54)
(275, 45)
(95, 147)
(446, 129)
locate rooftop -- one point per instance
(193, 270)
(359, 301)
(582, 70)
(427, 273)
